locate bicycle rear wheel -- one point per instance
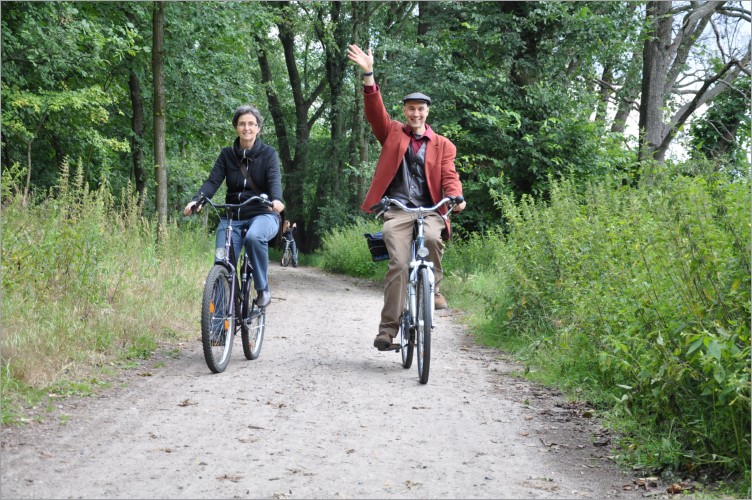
(217, 319)
(253, 318)
(253, 332)
(424, 325)
(407, 339)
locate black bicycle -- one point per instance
(229, 299)
(416, 320)
(287, 253)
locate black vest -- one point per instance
(409, 184)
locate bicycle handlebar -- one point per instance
(385, 202)
(203, 200)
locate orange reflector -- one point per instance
(211, 307)
(227, 324)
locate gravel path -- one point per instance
(320, 414)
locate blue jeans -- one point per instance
(261, 229)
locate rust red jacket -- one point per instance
(441, 175)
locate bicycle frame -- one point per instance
(418, 262)
(227, 256)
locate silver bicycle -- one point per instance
(416, 320)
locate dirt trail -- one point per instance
(321, 414)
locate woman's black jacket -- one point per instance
(263, 168)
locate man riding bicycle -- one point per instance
(416, 167)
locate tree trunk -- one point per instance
(605, 94)
(138, 124)
(137, 139)
(359, 136)
(292, 162)
(29, 142)
(160, 153)
(335, 63)
(664, 59)
(28, 173)
(655, 59)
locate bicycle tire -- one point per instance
(407, 339)
(246, 292)
(217, 319)
(253, 335)
(424, 325)
(286, 257)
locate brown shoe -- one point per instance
(382, 341)
(439, 302)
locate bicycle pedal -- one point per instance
(392, 347)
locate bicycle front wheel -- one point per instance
(424, 325)
(286, 257)
(217, 319)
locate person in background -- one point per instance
(288, 233)
(249, 168)
(416, 167)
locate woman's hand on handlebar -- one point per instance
(459, 207)
(278, 206)
(191, 208)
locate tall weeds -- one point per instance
(344, 250)
(84, 282)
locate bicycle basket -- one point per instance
(377, 247)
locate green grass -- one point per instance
(86, 287)
(345, 250)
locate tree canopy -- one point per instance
(528, 91)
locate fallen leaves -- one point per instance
(410, 484)
(647, 483)
(680, 487)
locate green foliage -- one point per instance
(345, 250)
(643, 293)
(723, 132)
(57, 58)
(86, 272)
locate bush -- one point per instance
(85, 282)
(345, 250)
(643, 293)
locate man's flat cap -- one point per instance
(417, 96)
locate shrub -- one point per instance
(345, 250)
(646, 294)
(85, 282)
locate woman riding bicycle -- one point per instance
(416, 166)
(248, 167)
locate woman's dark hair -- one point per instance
(248, 109)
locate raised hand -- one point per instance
(356, 55)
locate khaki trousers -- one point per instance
(398, 235)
